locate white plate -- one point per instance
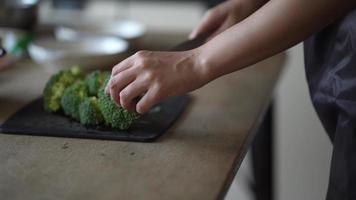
(128, 30)
(87, 52)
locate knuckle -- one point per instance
(148, 77)
(123, 95)
(142, 58)
(114, 69)
(141, 62)
(116, 80)
(210, 13)
(112, 83)
(118, 77)
(141, 53)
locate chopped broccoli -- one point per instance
(55, 87)
(85, 101)
(94, 80)
(89, 112)
(72, 97)
(101, 91)
(114, 116)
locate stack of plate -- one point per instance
(128, 30)
(89, 46)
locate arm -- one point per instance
(224, 15)
(276, 26)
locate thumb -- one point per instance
(211, 21)
(226, 25)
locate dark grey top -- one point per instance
(330, 61)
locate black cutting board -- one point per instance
(33, 120)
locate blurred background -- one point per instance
(99, 33)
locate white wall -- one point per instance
(303, 150)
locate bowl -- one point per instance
(19, 13)
(14, 42)
(126, 29)
(87, 52)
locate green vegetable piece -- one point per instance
(101, 91)
(89, 112)
(55, 87)
(114, 116)
(72, 97)
(94, 80)
(85, 101)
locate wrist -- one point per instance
(203, 65)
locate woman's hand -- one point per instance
(225, 15)
(148, 77)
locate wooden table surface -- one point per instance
(196, 159)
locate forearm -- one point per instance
(276, 26)
(247, 7)
(251, 5)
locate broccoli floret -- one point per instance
(55, 87)
(114, 116)
(94, 80)
(52, 94)
(68, 91)
(72, 97)
(89, 112)
(101, 91)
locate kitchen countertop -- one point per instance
(196, 159)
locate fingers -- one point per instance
(133, 77)
(118, 82)
(123, 65)
(130, 93)
(151, 98)
(211, 21)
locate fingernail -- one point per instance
(139, 110)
